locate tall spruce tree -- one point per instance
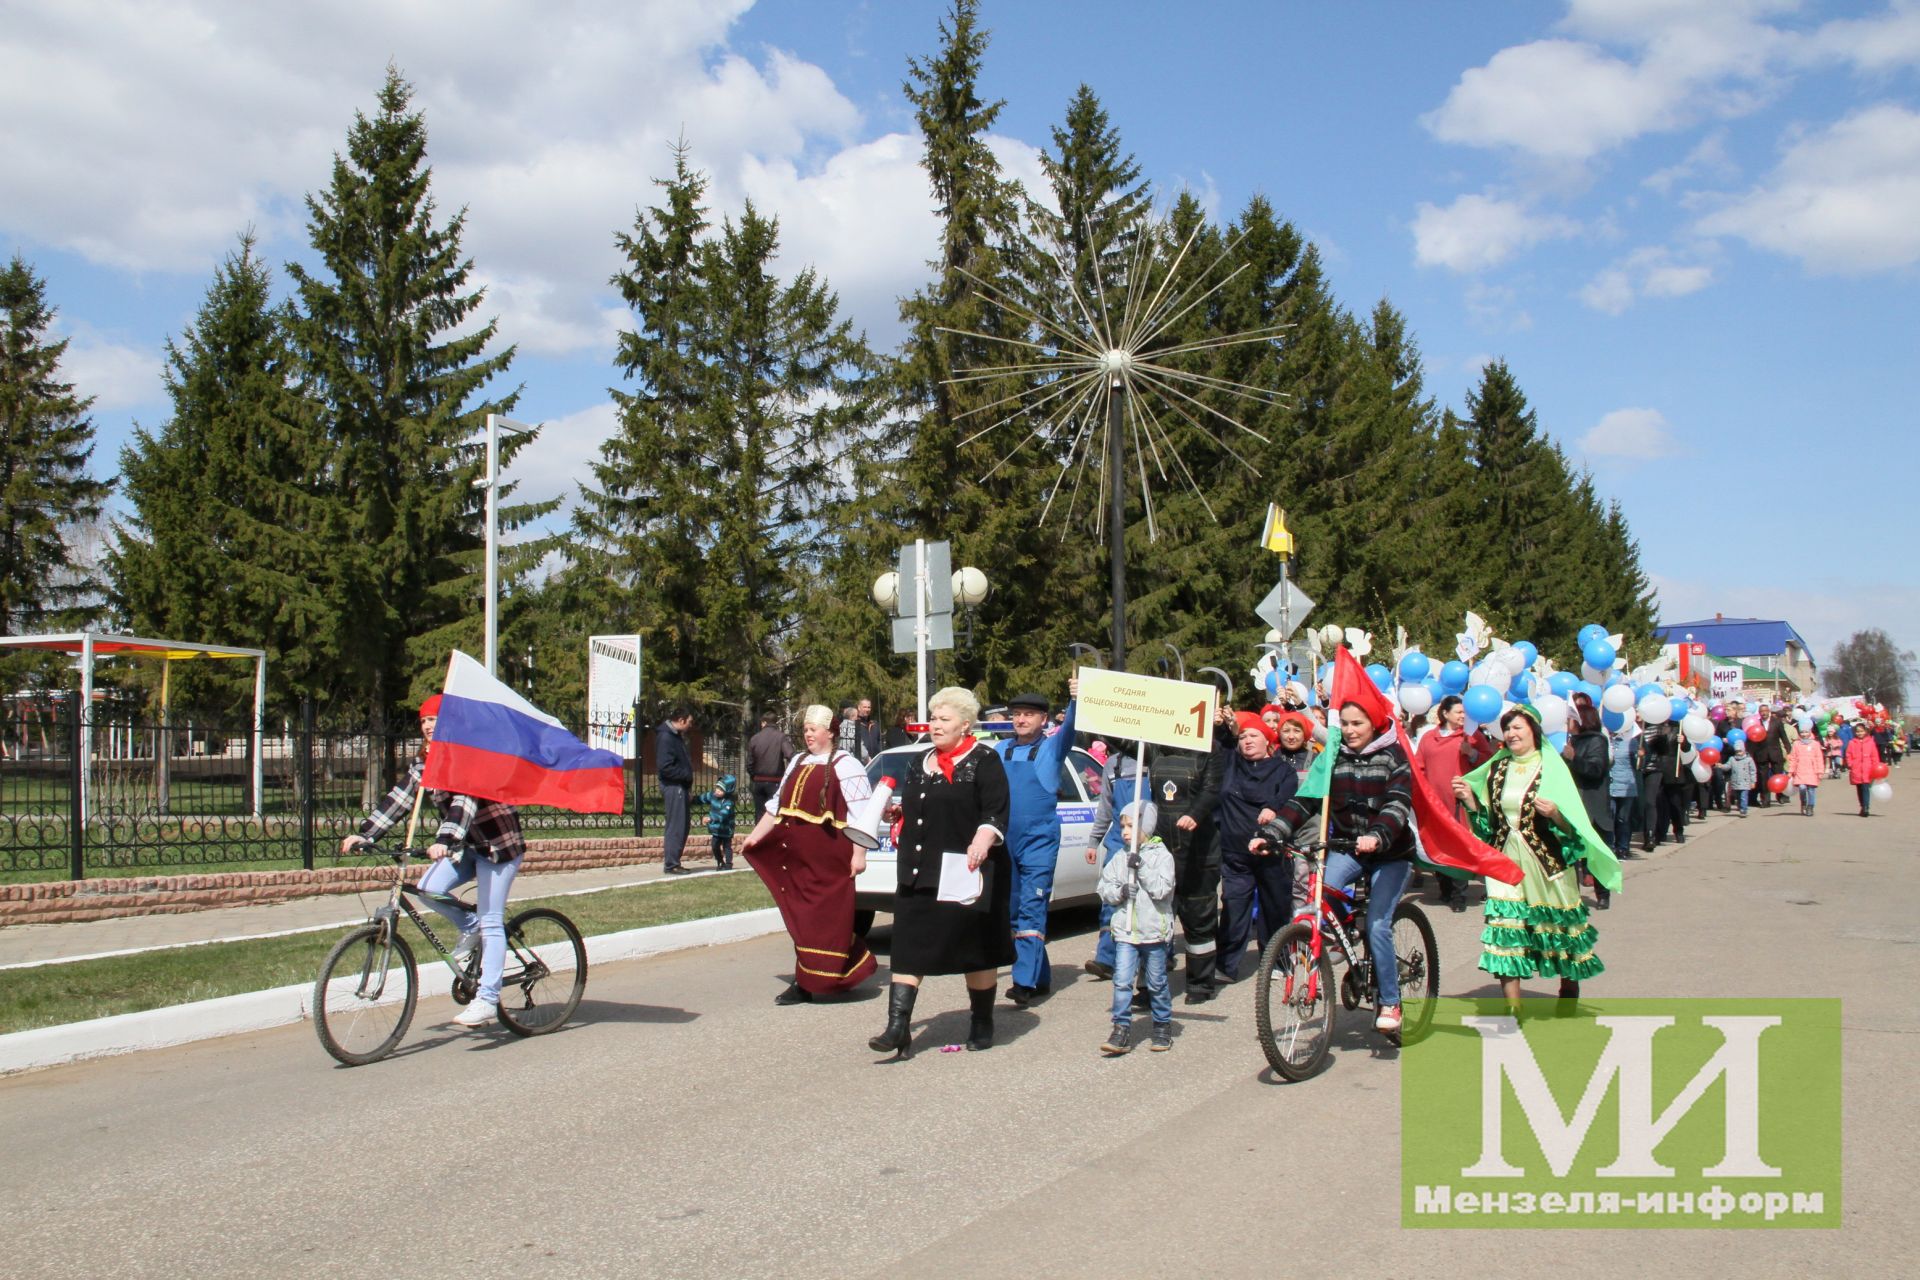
(707, 503)
(220, 545)
(393, 375)
(46, 492)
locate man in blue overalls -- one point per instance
(1033, 760)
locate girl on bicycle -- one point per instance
(1370, 811)
(478, 840)
(1524, 803)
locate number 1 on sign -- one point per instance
(1199, 713)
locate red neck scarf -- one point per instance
(945, 759)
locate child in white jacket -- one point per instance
(1140, 890)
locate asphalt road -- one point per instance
(686, 1127)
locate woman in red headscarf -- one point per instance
(1254, 785)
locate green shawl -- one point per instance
(1556, 783)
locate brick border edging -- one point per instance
(106, 897)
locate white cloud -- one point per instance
(1496, 306)
(1568, 100)
(1844, 200)
(117, 376)
(1708, 157)
(1651, 272)
(1639, 435)
(1476, 232)
(1884, 42)
(559, 460)
(546, 122)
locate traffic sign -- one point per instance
(1285, 608)
(1168, 713)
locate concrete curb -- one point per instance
(259, 1010)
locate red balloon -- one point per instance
(1879, 771)
(1709, 757)
(1777, 784)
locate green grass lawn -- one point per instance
(49, 995)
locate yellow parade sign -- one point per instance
(1167, 713)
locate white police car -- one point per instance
(1074, 882)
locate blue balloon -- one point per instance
(1618, 677)
(1716, 742)
(1589, 688)
(1382, 677)
(1454, 676)
(1528, 651)
(1563, 683)
(1613, 720)
(1589, 633)
(1415, 666)
(1599, 655)
(1737, 738)
(1273, 684)
(1558, 741)
(1483, 704)
(1519, 689)
(1432, 685)
(1326, 670)
(1681, 708)
(1642, 691)
(1313, 698)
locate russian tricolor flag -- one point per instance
(492, 743)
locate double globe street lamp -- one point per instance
(970, 587)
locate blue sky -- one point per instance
(1692, 227)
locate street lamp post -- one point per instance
(970, 587)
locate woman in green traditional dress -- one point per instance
(1525, 803)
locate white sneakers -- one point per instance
(1388, 1019)
(468, 944)
(477, 1014)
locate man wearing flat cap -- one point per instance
(1033, 758)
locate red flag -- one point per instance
(1444, 839)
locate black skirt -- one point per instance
(932, 937)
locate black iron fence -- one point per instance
(112, 793)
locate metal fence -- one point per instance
(117, 794)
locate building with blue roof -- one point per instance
(1769, 643)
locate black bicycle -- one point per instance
(364, 999)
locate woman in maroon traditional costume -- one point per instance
(801, 851)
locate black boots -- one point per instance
(899, 1033)
(980, 1033)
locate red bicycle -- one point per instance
(1295, 1000)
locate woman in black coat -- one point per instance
(1253, 786)
(1590, 761)
(953, 799)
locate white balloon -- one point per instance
(1514, 660)
(1416, 699)
(1618, 698)
(1882, 791)
(1701, 771)
(1487, 673)
(1697, 727)
(1656, 708)
(1592, 674)
(1553, 711)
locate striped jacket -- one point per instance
(1371, 793)
(489, 828)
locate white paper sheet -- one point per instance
(957, 883)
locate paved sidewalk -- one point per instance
(38, 943)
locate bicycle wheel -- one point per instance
(546, 972)
(1418, 959)
(1293, 1002)
(364, 999)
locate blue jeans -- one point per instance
(1808, 795)
(1128, 958)
(1385, 882)
(1743, 794)
(495, 883)
(1620, 813)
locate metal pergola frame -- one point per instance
(90, 646)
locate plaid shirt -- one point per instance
(488, 827)
(1371, 794)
